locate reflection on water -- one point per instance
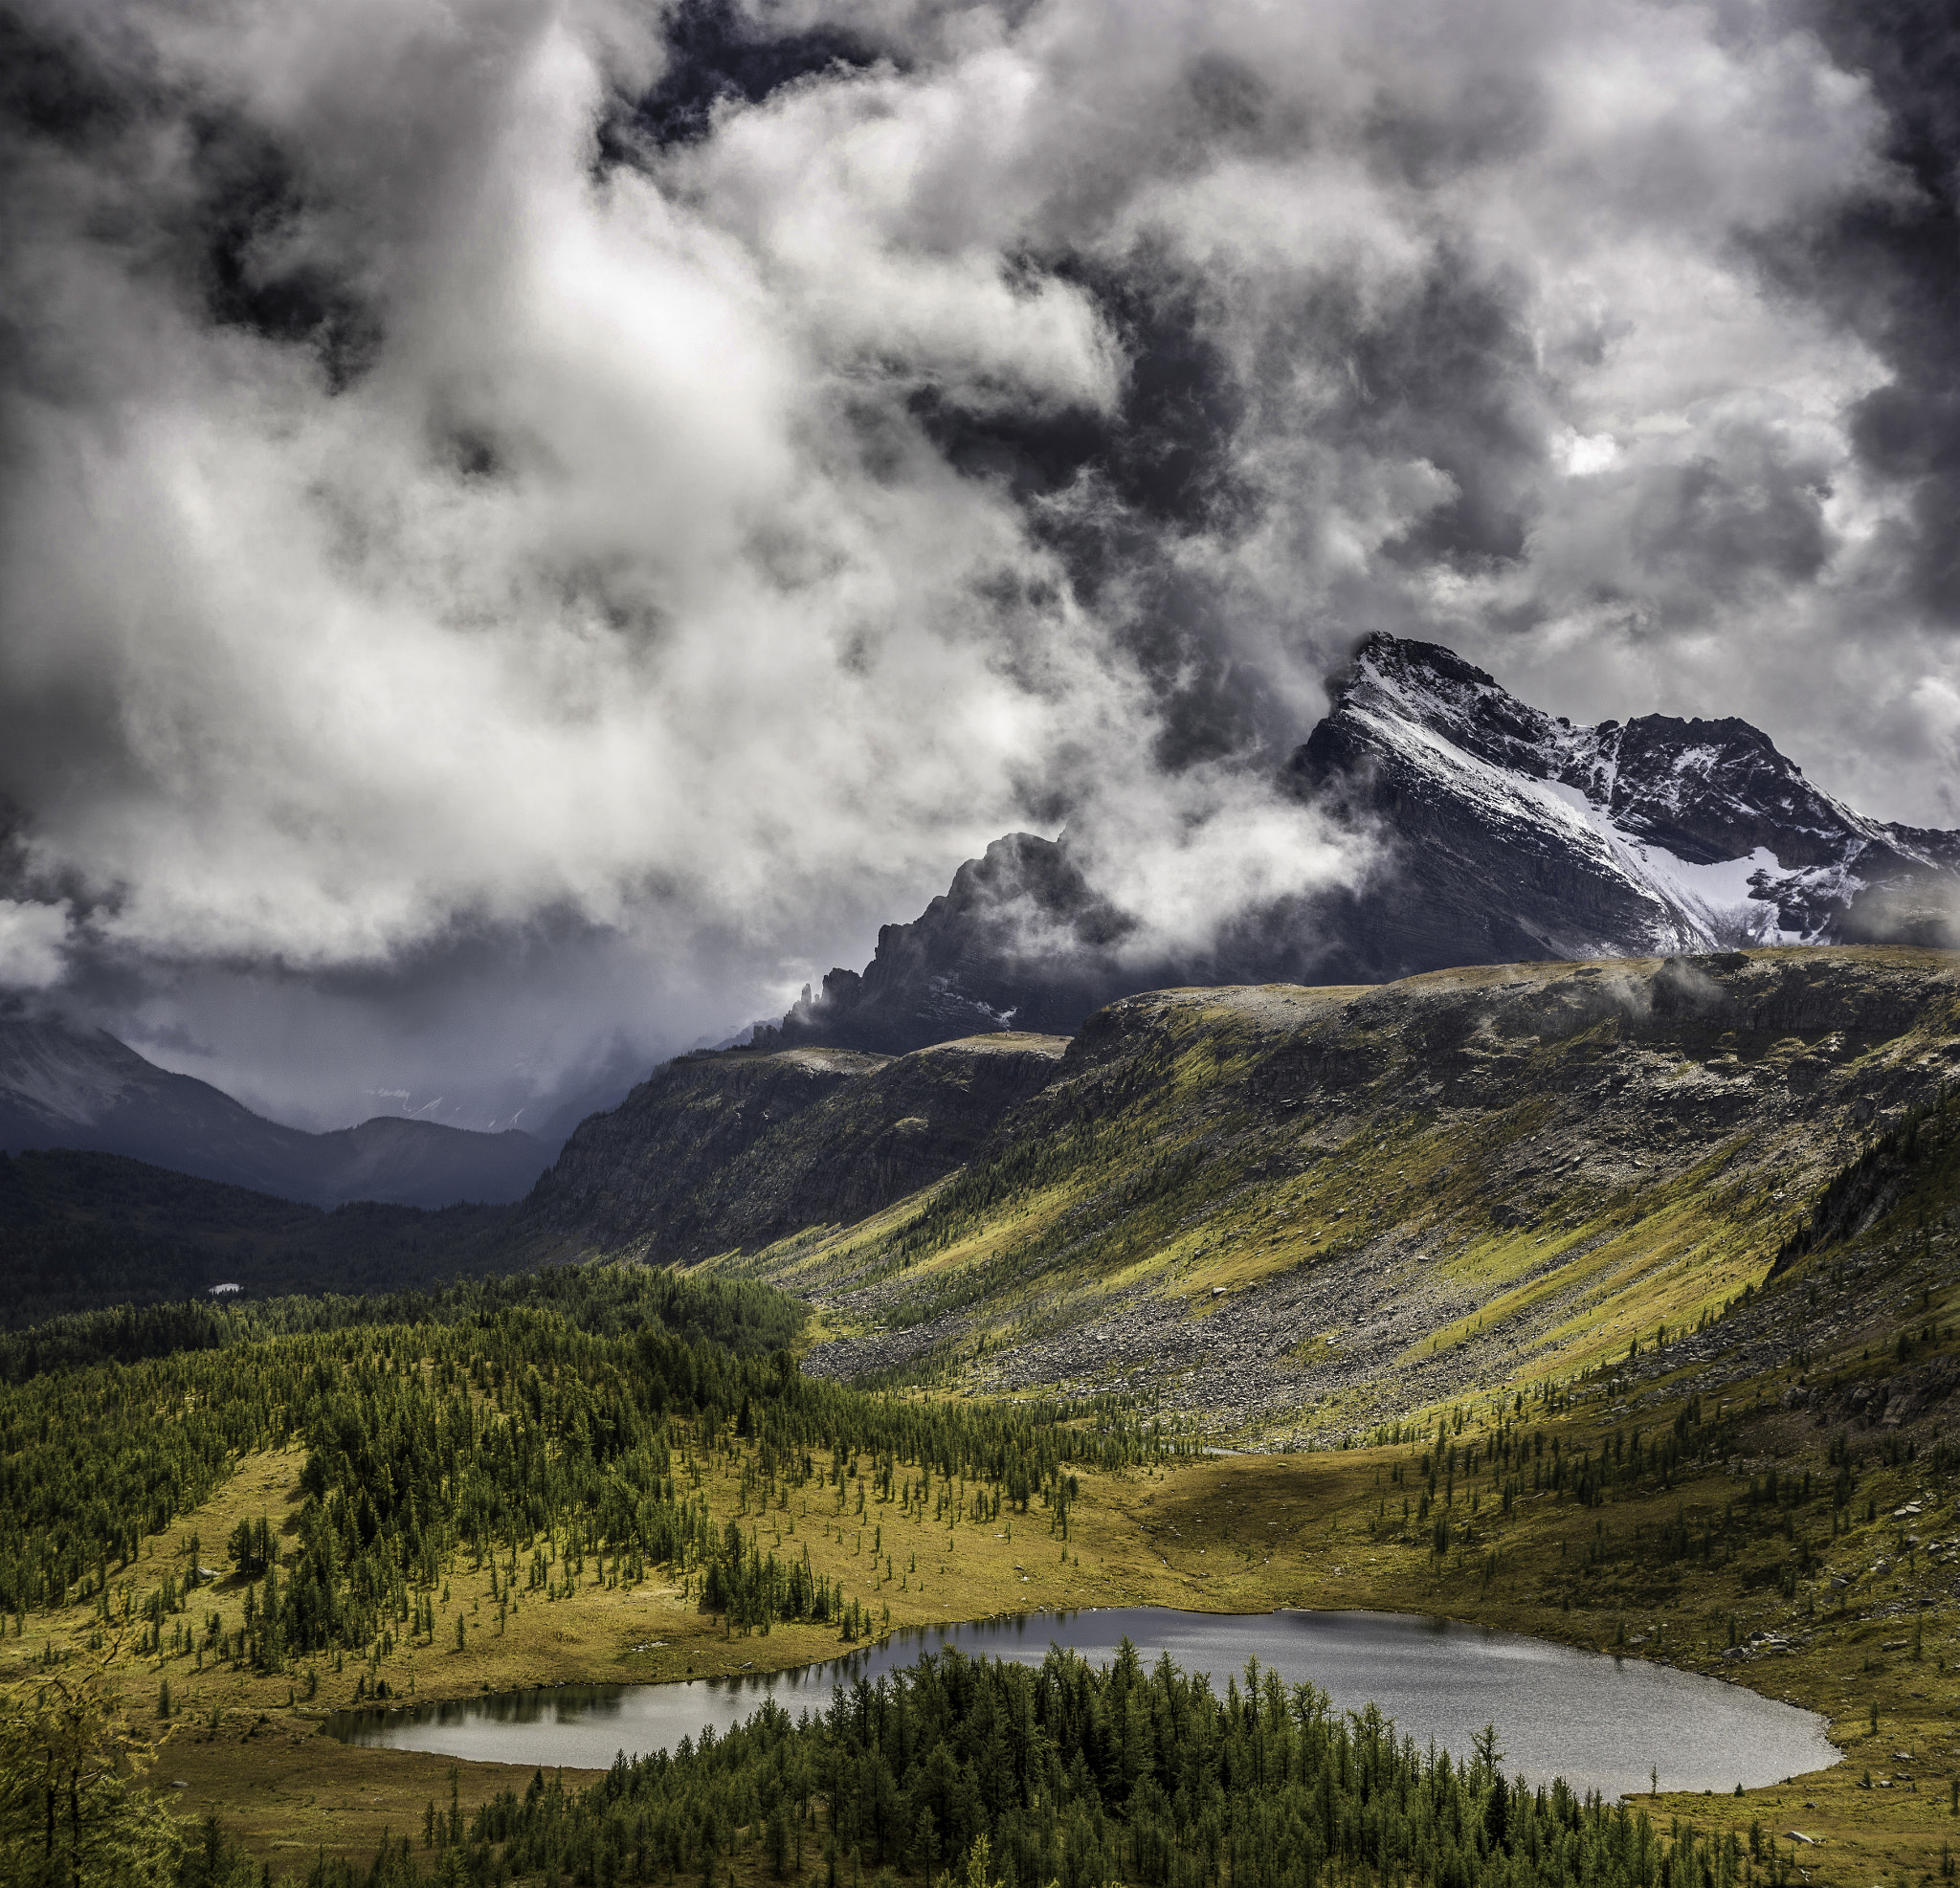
(1600, 1722)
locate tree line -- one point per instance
(499, 1421)
(973, 1773)
(741, 1314)
(1077, 1776)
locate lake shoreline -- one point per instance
(1436, 1677)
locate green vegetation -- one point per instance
(522, 1409)
(1072, 1775)
(1554, 1159)
(746, 1318)
(1011, 1776)
(68, 1812)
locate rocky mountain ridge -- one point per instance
(1294, 1210)
(1499, 834)
(1531, 836)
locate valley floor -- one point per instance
(1661, 1540)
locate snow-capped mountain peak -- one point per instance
(1686, 835)
(1502, 833)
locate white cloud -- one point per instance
(623, 592)
(32, 941)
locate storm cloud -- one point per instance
(532, 526)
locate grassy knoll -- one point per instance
(244, 1741)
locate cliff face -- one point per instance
(1501, 835)
(737, 1150)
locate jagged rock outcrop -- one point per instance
(739, 1147)
(1019, 941)
(1512, 834)
(1501, 835)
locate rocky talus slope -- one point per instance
(1296, 1209)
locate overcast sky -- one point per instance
(530, 528)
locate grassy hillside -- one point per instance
(714, 1151)
(736, 1148)
(1620, 1309)
(1300, 1212)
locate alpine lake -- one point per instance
(1616, 1725)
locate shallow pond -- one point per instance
(1600, 1722)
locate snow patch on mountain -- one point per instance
(1704, 824)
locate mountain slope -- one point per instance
(63, 1087)
(1500, 833)
(740, 1149)
(1306, 1207)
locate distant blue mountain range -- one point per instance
(67, 1087)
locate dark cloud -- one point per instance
(717, 52)
(1719, 526)
(1163, 454)
(51, 87)
(530, 528)
(247, 218)
(1885, 267)
(1453, 380)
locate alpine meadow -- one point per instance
(979, 943)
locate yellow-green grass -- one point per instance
(1251, 1533)
(1611, 1254)
(1220, 1534)
(1669, 1268)
(234, 1728)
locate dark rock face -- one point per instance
(63, 1087)
(1523, 836)
(743, 1147)
(1019, 942)
(1503, 834)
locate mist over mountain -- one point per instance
(1495, 834)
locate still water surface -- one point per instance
(1600, 1722)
